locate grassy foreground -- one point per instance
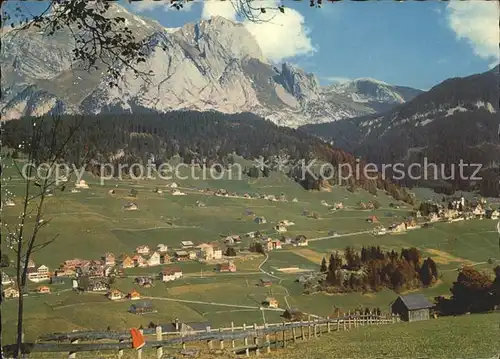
(469, 336)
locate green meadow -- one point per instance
(89, 223)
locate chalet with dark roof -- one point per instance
(412, 307)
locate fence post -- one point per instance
(344, 323)
(338, 323)
(159, 337)
(328, 329)
(315, 327)
(247, 351)
(349, 319)
(256, 340)
(209, 341)
(139, 351)
(284, 335)
(393, 318)
(232, 331)
(268, 340)
(183, 342)
(294, 334)
(120, 351)
(221, 341)
(72, 355)
(309, 327)
(302, 330)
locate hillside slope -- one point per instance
(456, 120)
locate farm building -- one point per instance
(260, 220)
(82, 185)
(131, 206)
(10, 293)
(142, 250)
(186, 328)
(412, 307)
(186, 244)
(181, 256)
(270, 303)
(109, 259)
(127, 262)
(170, 273)
(6, 279)
(142, 308)
(114, 295)
(139, 261)
(372, 219)
(176, 192)
(162, 248)
(43, 289)
(226, 267)
(134, 295)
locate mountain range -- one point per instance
(214, 64)
(455, 120)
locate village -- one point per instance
(90, 275)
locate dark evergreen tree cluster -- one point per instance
(473, 292)
(372, 269)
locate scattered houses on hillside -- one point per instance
(412, 307)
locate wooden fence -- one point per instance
(259, 335)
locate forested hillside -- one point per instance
(195, 137)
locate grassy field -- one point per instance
(471, 336)
(468, 336)
(92, 222)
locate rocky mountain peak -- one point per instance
(301, 85)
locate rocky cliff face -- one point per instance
(211, 65)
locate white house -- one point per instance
(170, 274)
(176, 192)
(142, 249)
(6, 279)
(173, 185)
(81, 185)
(186, 244)
(217, 253)
(162, 248)
(9, 203)
(154, 259)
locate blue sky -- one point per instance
(416, 44)
(412, 43)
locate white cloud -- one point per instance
(477, 23)
(279, 36)
(336, 80)
(150, 5)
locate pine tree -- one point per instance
(323, 268)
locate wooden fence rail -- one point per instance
(286, 330)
